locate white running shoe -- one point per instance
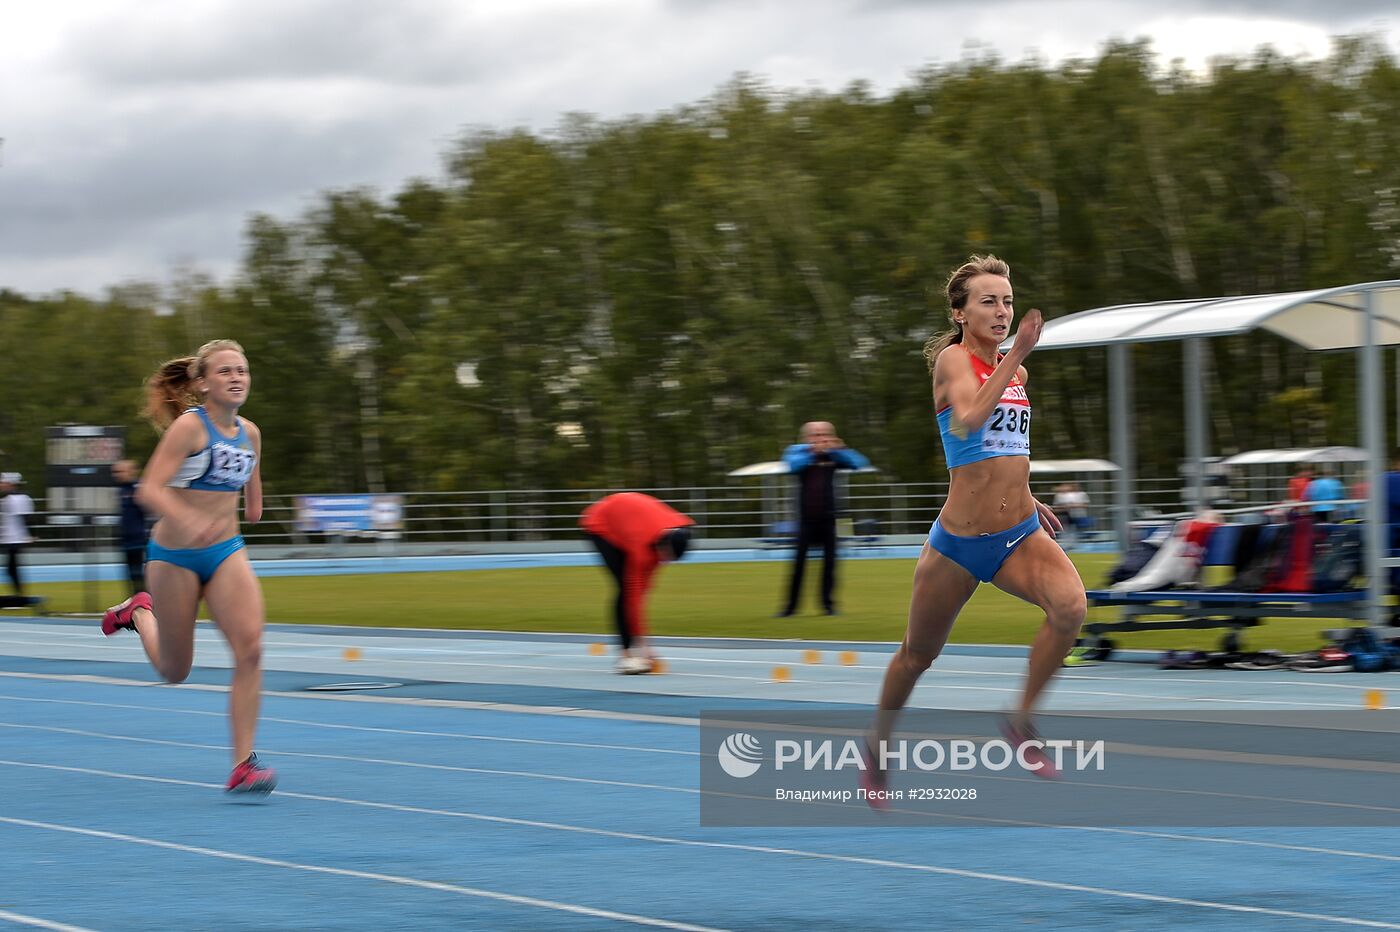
(632, 665)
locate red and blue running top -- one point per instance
(1007, 432)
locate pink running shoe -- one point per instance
(118, 617)
(873, 780)
(251, 777)
(1017, 737)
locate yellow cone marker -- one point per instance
(811, 656)
(1375, 700)
(781, 674)
(352, 654)
(596, 650)
(848, 658)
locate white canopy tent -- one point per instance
(776, 504)
(1075, 466)
(769, 468)
(1299, 455)
(778, 468)
(1363, 316)
(1268, 473)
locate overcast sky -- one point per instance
(139, 134)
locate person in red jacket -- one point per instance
(635, 534)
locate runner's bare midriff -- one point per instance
(988, 496)
(220, 506)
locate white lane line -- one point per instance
(367, 875)
(273, 753)
(270, 752)
(1012, 879)
(1140, 750)
(334, 644)
(369, 728)
(604, 714)
(1121, 747)
(508, 650)
(781, 688)
(20, 919)
(498, 738)
(398, 634)
(553, 650)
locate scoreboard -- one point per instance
(78, 471)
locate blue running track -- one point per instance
(515, 782)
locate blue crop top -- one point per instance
(1007, 432)
(223, 465)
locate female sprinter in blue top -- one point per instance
(991, 528)
(205, 458)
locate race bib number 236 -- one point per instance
(1008, 430)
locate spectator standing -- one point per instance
(15, 509)
(1060, 506)
(1325, 494)
(813, 463)
(135, 524)
(1360, 491)
(1072, 508)
(1298, 485)
(1078, 501)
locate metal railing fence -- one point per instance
(739, 510)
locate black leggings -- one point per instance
(616, 562)
(12, 564)
(136, 568)
(814, 533)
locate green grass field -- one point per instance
(704, 599)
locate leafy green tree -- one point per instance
(656, 300)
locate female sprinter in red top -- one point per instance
(991, 528)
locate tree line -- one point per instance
(655, 301)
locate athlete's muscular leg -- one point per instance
(235, 600)
(1041, 573)
(941, 589)
(169, 637)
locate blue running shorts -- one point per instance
(983, 555)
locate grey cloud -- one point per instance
(1321, 12)
(159, 134)
(430, 42)
(186, 187)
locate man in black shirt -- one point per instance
(813, 463)
(134, 526)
